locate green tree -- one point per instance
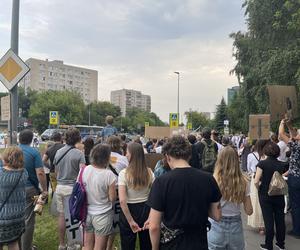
(135, 119)
(221, 115)
(69, 105)
(97, 111)
(197, 119)
(268, 53)
(25, 101)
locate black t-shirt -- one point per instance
(51, 151)
(269, 166)
(184, 196)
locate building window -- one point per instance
(50, 73)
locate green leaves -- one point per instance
(268, 53)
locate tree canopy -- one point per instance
(268, 53)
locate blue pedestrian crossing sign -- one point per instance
(53, 117)
(173, 120)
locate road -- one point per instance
(253, 239)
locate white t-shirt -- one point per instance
(97, 182)
(119, 162)
(283, 149)
(252, 162)
(135, 195)
(233, 209)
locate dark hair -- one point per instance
(56, 136)
(115, 143)
(225, 141)
(72, 136)
(25, 136)
(260, 144)
(192, 139)
(178, 147)
(271, 149)
(88, 145)
(100, 155)
(160, 143)
(206, 132)
(123, 137)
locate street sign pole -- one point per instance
(14, 43)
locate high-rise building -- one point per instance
(128, 98)
(231, 92)
(55, 75)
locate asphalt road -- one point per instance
(253, 239)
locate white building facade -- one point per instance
(128, 98)
(55, 75)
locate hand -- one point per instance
(134, 227)
(146, 225)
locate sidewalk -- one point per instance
(253, 239)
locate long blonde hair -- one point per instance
(137, 173)
(232, 182)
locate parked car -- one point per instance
(46, 135)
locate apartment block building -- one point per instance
(55, 75)
(129, 98)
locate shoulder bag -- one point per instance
(278, 185)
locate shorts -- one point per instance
(101, 225)
(61, 192)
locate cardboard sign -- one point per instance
(157, 132)
(164, 132)
(259, 126)
(5, 108)
(73, 228)
(152, 159)
(283, 100)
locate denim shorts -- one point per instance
(101, 224)
(226, 234)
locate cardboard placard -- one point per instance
(164, 132)
(157, 132)
(152, 159)
(283, 100)
(259, 126)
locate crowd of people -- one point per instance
(191, 199)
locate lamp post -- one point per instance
(178, 74)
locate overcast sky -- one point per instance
(136, 44)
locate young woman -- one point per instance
(256, 219)
(101, 193)
(235, 189)
(117, 163)
(272, 206)
(134, 186)
(13, 178)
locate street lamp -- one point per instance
(178, 74)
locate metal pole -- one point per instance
(177, 73)
(178, 101)
(14, 43)
(89, 114)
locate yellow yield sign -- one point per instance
(12, 69)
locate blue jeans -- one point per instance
(227, 234)
(294, 197)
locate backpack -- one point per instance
(78, 200)
(209, 156)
